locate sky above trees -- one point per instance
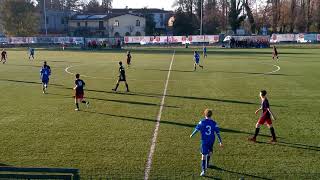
(166, 4)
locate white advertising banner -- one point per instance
(196, 39)
(160, 39)
(283, 38)
(138, 39)
(176, 39)
(170, 39)
(212, 38)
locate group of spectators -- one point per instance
(249, 43)
(94, 44)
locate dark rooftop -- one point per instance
(98, 16)
(141, 10)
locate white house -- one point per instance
(107, 25)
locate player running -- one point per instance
(79, 92)
(208, 128)
(31, 53)
(122, 77)
(265, 118)
(205, 55)
(129, 57)
(4, 56)
(45, 73)
(196, 60)
(275, 53)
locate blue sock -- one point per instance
(203, 165)
(208, 161)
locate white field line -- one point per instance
(278, 69)
(67, 70)
(156, 130)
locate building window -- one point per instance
(138, 33)
(78, 24)
(137, 23)
(116, 34)
(62, 20)
(116, 23)
(86, 24)
(47, 19)
(101, 25)
(161, 20)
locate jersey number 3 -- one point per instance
(208, 130)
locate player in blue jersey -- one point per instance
(31, 53)
(205, 55)
(196, 59)
(45, 73)
(79, 92)
(208, 129)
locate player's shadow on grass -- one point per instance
(243, 175)
(201, 98)
(175, 96)
(116, 101)
(143, 94)
(228, 72)
(294, 145)
(28, 82)
(1, 164)
(131, 102)
(25, 65)
(255, 73)
(172, 123)
(166, 70)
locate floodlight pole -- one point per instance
(201, 19)
(201, 25)
(45, 17)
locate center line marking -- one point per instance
(156, 130)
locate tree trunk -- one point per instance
(250, 16)
(275, 15)
(293, 15)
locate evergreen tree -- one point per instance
(19, 17)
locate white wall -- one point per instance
(127, 23)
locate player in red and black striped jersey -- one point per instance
(265, 118)
(79, 92)
(129, 57)
(122, 77)
(275, 53)
(4, 56)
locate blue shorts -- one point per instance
(45, 81)
(206, 148)
(197, 62)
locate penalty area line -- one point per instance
(156, 130)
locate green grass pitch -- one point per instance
(112, 137)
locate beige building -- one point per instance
(108, 25)
(1, 29)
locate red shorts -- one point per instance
(265, 119)
(79, 95)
